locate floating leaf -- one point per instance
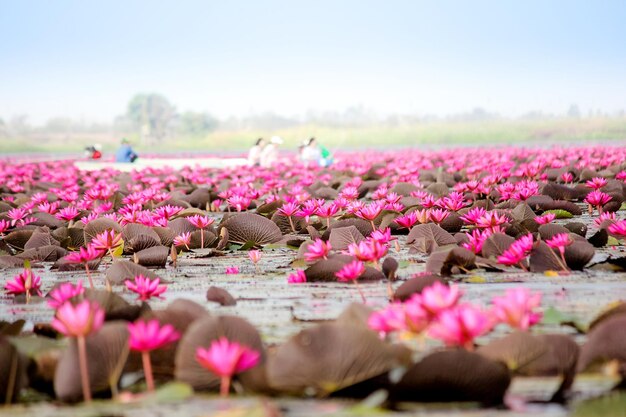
(560, 214)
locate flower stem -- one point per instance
(147, 370)
(224, 386)
(373, 226)
(358, 287)
(328, 222)
(89, 275)
(291, 224)
(201, 238)
(84, 373)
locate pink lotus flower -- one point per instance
(407, 221)
(147, 336)
(597, 199)
(349, 193)
(370, 212)
(476, 239)
(239, 202)
(65, 292)
(4, 226)
(618, 228)
(517, 252)
(78, 320)
(416, 317)
(150, 335)
(201, 222)
(438, 297)
(232, 270)
(84, 256)
(368, 250)
(327, 211)
(68, 213)
(184, 239)
(596, 183)
(567, 177)
(25, 283)
(107, 241)
(606, 216)
(145, 287)
(545, 219)
(381, 236)
(289, 210)
(390, 319)
(255, 256)
(560, 241)
(516, 307)
(460, 325)
(297, 277)
(438, 215)
(351, 271)
(317, 250)
(226, 359)
(472, 216)
(491, 219)
(168, 211)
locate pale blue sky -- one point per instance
(232, 57)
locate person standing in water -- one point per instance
(125, 153)
(269, 154)
(254, 155)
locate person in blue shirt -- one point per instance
(125, 153)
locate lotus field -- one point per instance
(390, 280)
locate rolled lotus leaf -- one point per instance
(577, 227)
(46, 219)
(416, 285)
(209, 239)
(356, 314)
(209, 329)
(342, 237)
(17, 239)
(565, 205)
(249, 227)
(426, 238)
(8, 261)
(496, 244)
(137, 237)
(114, 306)
(155, 256)
(329, 357)
(48, 253)
(578, 254)
(141, 242)
(166, 235)
(453, 376)
(283, 224)
(605, 342)
(220, 296)
(452, 223)
(611, 310)
(446, 261)
(364, 227)
(324, 270)
(548, 231)
(389, 267)
(544, 258)
(181, 225)
(99, 225)
(122, 270)
(13, 367)
(41, 238)
(107, 352)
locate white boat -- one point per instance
(175, 163)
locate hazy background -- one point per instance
(215, 75)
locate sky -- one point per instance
(86, 59)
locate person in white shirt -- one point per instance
(254, 155)
(269, 154)
(311, 153)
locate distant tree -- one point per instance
(151, 114)
(196, 124)
(573, 111)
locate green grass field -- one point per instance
(431, 133)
